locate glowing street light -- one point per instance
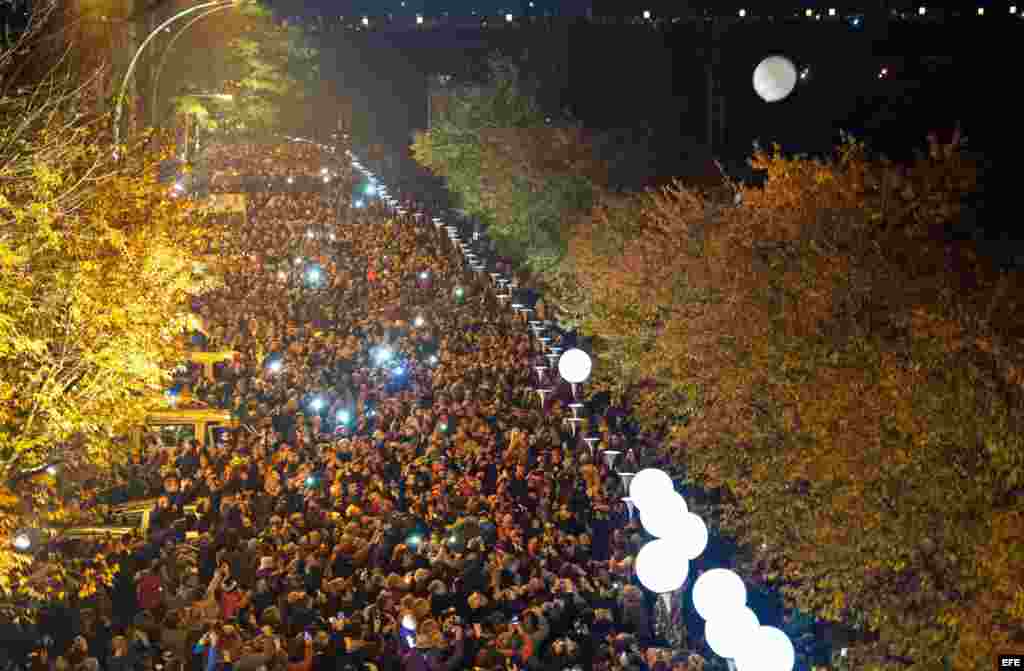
(366, 21)
(647, 15)
(508, 18)
(921, 11)
(808, 13)
(743, 13)
(419, 19)
(831, 11)
(981, 11)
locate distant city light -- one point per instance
(419, 19)
(508, 18)
(366, 21)
(831, 11)
(808, 13)
(647, 14)
(921, 11)
(743, 13)
(981, 11)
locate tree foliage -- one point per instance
(522, 176)
(97, 262)
(271, 69)
(847, 374)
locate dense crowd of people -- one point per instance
(398, 498)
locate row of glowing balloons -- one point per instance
(732, 629)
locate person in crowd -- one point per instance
(398, 498)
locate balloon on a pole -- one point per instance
(648, 485)
(769, 649)
(574, 366)
(774, 78)
(732, 633)
(718, 591)
(663, 515)
(693, 535)
(659, 566)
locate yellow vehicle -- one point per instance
(195, 421)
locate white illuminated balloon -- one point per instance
(648, 485)
(574, 366)
(732, 633)
(662, 517)
(769, 649)
(660, 567)
(693, 535)
(718, 591)
(774, 78)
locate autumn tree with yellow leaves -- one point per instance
(97, 265)
(848, 375)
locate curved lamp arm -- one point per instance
(170, 48)
(149, 38)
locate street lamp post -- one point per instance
(169, 48)
(142, 47)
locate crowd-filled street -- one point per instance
(398, 495)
